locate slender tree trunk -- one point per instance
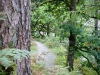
(96, 24)
(96, 27)
(55, 31)
(48, 29)
(16, 30)
(72, 39)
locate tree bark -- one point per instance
(4, 32)
(72, 39)
(1, 21)
(23, 37)
(16, 30)
(96, 27)
(96, 24)
(48, 29)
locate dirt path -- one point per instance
(44, 56)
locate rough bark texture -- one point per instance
(2, 27)
(72, 39)
(7, 26)
(15, 30)
(23, 36)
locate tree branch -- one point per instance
(89, 62)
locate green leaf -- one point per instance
(7, 56)
(6, 62)
(73, 16)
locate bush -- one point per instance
(88, 71)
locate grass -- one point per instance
(33, 45)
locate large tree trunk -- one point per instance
(23, 36)
(72, 39)
(16, 30)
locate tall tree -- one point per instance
(96, 20)
(15, 30)
(72, 39)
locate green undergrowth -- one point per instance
(60, 50)
(54, 44)
(56, 70)
(38, 69)
(60, 70)
(33, 45)
(7, 57)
